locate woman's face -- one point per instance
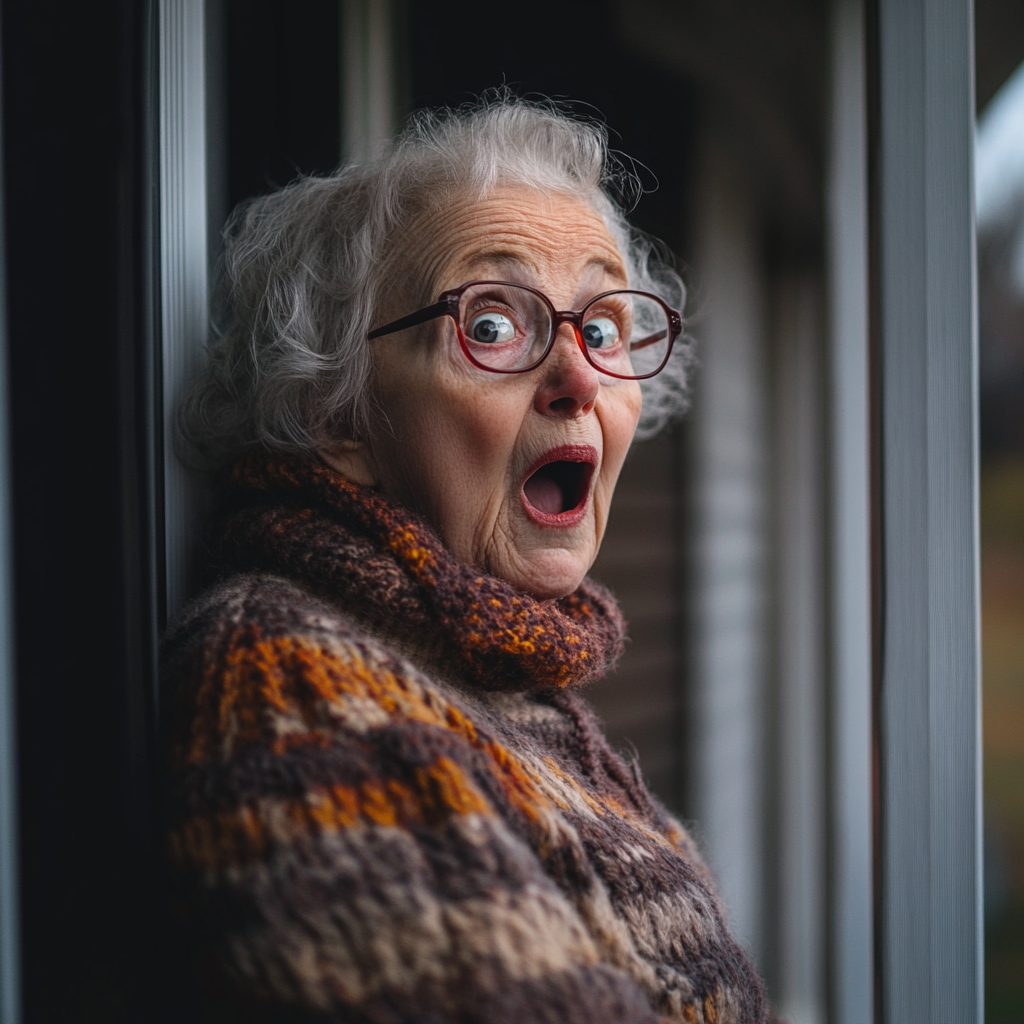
(468, 448)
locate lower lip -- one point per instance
(574, 516)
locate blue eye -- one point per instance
(600, 333)
(490, 328)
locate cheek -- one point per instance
(473, 429)
(450, 439)
(619, 418)
(619, 412)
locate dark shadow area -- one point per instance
(75, 147)
(572, 53)
(282, 92)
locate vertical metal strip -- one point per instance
(183, 266)
(795, 926)
(368, 77)
(851, 885)
(930, 694)
(10, 916)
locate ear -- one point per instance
(352, 459)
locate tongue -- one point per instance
(543, 494)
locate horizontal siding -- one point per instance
(640, 703)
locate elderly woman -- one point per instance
(388, 799)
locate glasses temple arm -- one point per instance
(649, 340)
(421, 316)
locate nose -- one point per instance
(568, 385)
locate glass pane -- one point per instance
(1000, 199)
(504, 327)
(627, 334)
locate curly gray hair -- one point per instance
(305, 267)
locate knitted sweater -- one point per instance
(388, 802)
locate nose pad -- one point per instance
(569, 384)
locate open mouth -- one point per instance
(561, 483)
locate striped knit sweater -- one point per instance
(388, 802)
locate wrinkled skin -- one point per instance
(456, 443)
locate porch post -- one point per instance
(928, 698)
(851, 960)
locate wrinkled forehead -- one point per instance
(552, 240)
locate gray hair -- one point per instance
(304, 269)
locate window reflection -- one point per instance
(1000, 204)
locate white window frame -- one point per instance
(929, 722)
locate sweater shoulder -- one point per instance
(262, 651)
(268, 611)
(258, 661)
(270, 604)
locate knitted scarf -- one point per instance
(388, 803)
(386, 566)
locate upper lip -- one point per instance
(577, 497)
(565, 453)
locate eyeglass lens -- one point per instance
(509, 328)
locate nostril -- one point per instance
(570, 386)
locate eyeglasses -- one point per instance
(511, 328)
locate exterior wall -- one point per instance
(730, 514)
(640, 560)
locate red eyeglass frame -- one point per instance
(448, 305)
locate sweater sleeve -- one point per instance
(345, 846)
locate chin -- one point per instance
(550, 575)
